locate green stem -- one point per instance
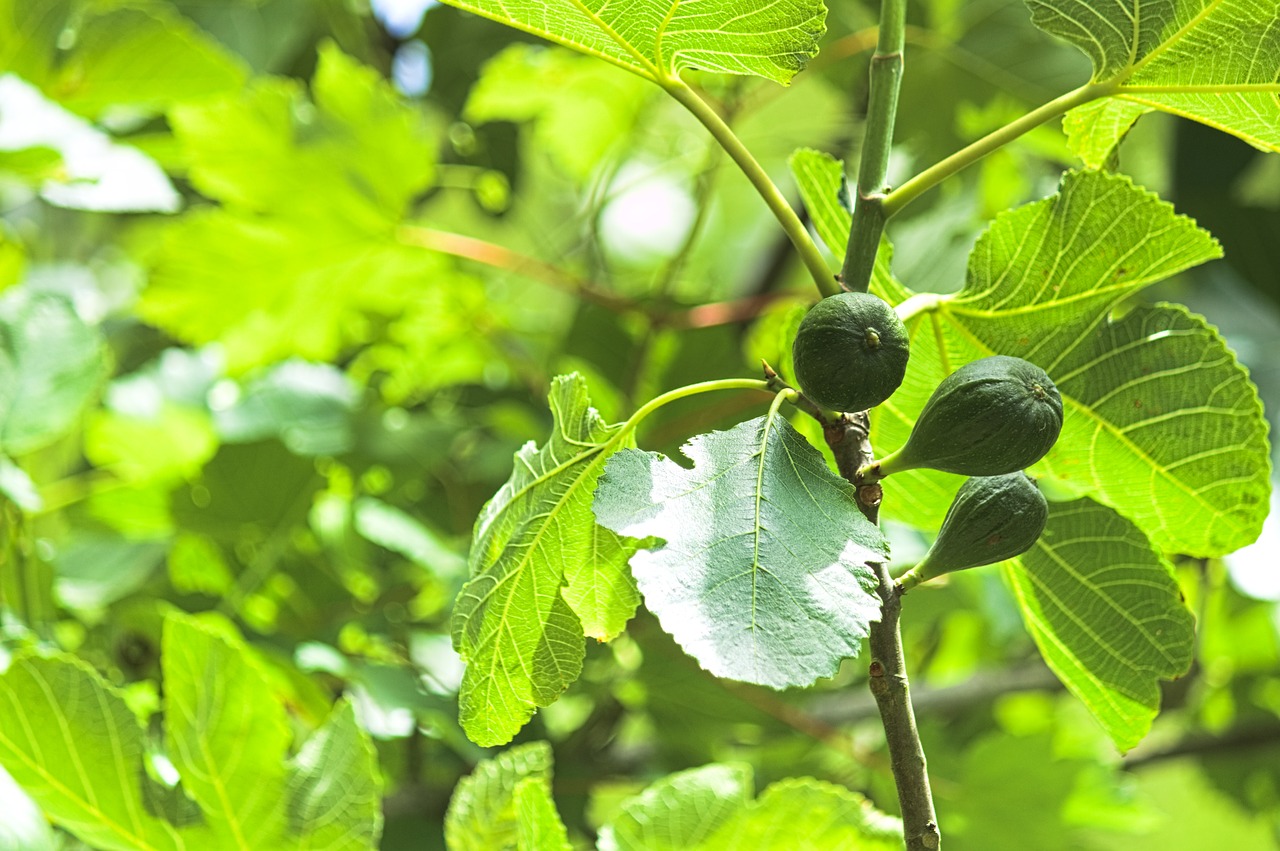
(935, 174)
(882, 109)
(690, 390)
(772, 196)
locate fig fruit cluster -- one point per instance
(990, 419)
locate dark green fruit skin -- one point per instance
(850, 352)
(989, 417)
(992, 518)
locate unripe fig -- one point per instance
(993, 416)
(850, 352)
(992, 518)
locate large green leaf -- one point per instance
(483, 813)
(71, 742)
(51, 365)
(1161, 422)
(1107, 614)
(766, 572)
(522, 638)
(226, 731)
(1214, 61)
(657, 39)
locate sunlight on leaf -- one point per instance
(1215, 62)
(766, 574)
(71, 742)
(226, 731)
(1092, 570)
(768, 38)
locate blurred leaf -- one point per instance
(170, 446)
(580, 109)
(248, 491)
(12, 255)
(521, 638)
(1011, 792)
(1216, 64)
(51, 365)
(389, 527)
(71, 742)
(305, 244)
(1155, 403)
(17, 487)
(94, 569)
(142, 57)
(680, 811)
(226, 733)
(764, 39)
(765, 575)
(483, 812)
(803, 814)
(539, 827)
(334, 800)
(711, 809)
(196, 566)
(307, 406)
(1106, 613)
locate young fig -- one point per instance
(989, 417)
(850, 352)
(992, 518)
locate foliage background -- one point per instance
(265, 390)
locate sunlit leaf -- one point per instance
(657, 40)
(334, 793)
(1214, 62)
(1106, 613)
(539, 827)
(227, 733)
(766, 572)
(483, 813)
(521, 637)
(71, 742)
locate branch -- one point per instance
(848, 437)
(882, 109)
(1251, 737)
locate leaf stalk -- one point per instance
(967, 156)
(760, 179)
